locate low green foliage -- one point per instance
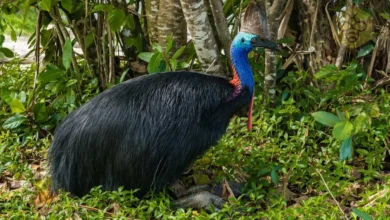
(16, 23)
(37, 111)
(162, 60)
(292, 163)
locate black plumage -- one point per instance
(142, 133)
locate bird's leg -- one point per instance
(179, 190)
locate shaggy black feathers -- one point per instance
(142, 133)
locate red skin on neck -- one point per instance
(237, 84)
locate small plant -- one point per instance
(164, 60)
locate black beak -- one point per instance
(265, 43)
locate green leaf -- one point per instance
(22, 96)
(285, 95)
(274, 175)
(169, 44)
(103, 7)
(326, 118)
(6, 95)
(145, 56)
(360, 121)
(58, 102)
(70, 97)
(115, 19)
(178, 52)
(286, 40)
(362, 214)
(364, 51)
(157, 48)
(325, 71)
(135, 42)
(373, 110)
(46, 37)
(71, 82)
(129, 22)
(183, 65)
(342, 130)
(382, 14)
(90, 39)
(342, 115)
(67, 54)
(2, 39)
(46, 5)
(123, 75)
(13, 35)
(67, 5)
(14, 122)
(7, 52)
(51, 85)
(355, 110)
(17, 106)
(173, 64)
(155, 62)
(50, 74)
(346, 149)
(40, 112)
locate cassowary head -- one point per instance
(248, 41)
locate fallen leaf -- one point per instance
(76, 216)
(43, 198)
(3, 187)
(227, 191)
(115, 208)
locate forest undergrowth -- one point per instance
(296, 163)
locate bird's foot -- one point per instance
(199, 200)
(178, 189)
(205, 196)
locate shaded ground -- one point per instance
(20, 47)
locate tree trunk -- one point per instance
(274, 10)
(202, 35)
(170, 21)
(315, 34)
(151, 9)
(221, 27)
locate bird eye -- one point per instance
(242, 40)
(254, 39)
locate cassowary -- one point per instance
(143, 133)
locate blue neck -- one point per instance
(241, 65)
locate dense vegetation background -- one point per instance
(320, 143)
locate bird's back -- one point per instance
(142, 133)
